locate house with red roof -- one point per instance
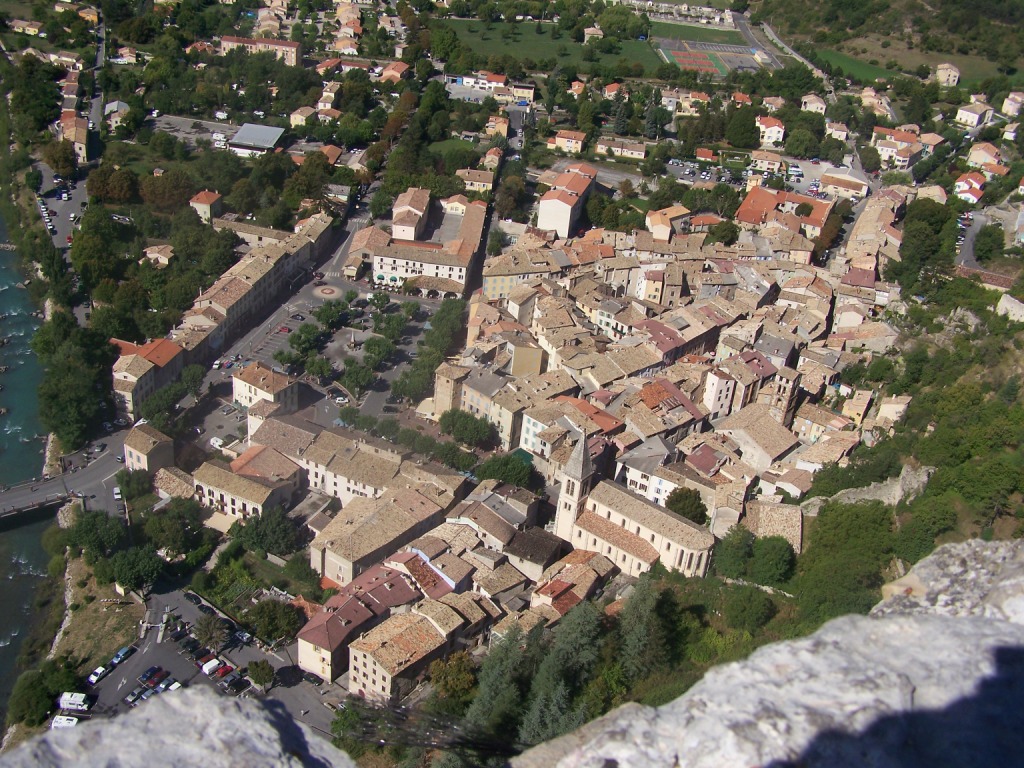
(359, 606)
(772, 130)
(969, 187)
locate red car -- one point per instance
(224, 671)
(70, 239)
(284, 329)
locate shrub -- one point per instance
(748, 609)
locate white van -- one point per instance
(212, 666)
(63, 721)
(76, 702)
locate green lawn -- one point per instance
(851, 66)
(695, 34)
(523, 42)
(440, 147)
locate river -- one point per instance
(22, 442)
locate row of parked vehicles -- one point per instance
(230, 680)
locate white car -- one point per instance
(217, 442)
(117, 492)
(97, 674)
(341, 400)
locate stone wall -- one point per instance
(910, 483)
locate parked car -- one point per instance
(146, 676)
(188, 645)
(133, 697)
(340, 400)
(98, 674)
(122, 655)
(284, 329)
(206, 610)
(192, 598)
(117, 492)
(298, 317)
(238, 686)
(158, 678)
(319, 283)
(312, 679)
(224, 671)
(166, 684)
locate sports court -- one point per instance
(679, 52)
(711, 58)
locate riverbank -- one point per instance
(32, 607)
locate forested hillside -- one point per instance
(986, 28)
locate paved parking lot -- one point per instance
(304, 701)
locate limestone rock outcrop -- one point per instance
(191, 727)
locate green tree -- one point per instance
(33, 179)
(192, 379)
(642, 646)
(499, 700)
(332, 314)
(733, 553)
(376, 351)
(869, 158)
(725, 232)
(773, 561)
(210, 631)
(318, 366)
(273, 620)
(687, 503)
(508, 468)
(61, 157)
(747, 608)
(841, 569)
(565, 670)
(466, 428)
(802, 143)
(742, 132)
(454, 681)
(271, 531)
(357, 378)
(176, 528)
(495, 242)
(134, 483)
(97, 534)
(262, 673)
(989, 243)
(135, 568)
(30, 702)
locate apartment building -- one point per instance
(147, 449)
(288, 52)
(561, 206)
(141, 370)
(256, 382)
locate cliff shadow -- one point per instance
(986, 729)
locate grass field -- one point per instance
(973, 69)
(695, 34)
(854, 67)
(523, 42)
(440, 147)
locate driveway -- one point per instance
(966, 255)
